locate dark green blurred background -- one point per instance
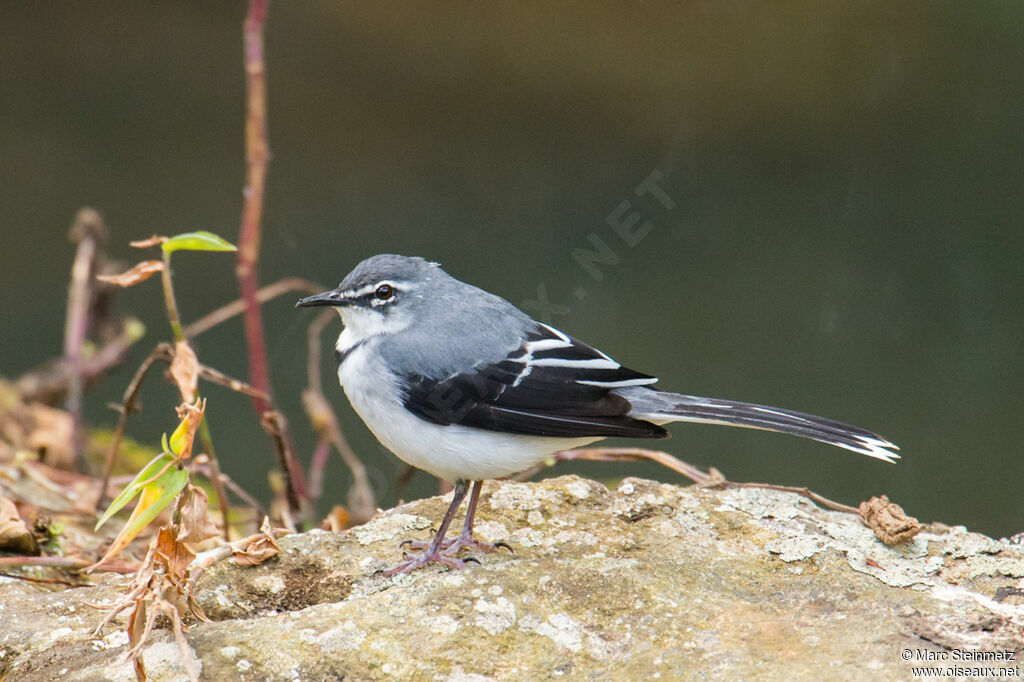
(846, 237)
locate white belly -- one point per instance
(450, 452)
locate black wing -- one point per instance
(552, 385)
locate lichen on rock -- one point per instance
(648, 580)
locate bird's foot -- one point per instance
(464, 540)
(433, 555)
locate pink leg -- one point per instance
(465, 538)
(451, 546)
(434, 553)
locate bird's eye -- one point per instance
(384, 292)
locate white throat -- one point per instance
(362, 324)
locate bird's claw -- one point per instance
(445, 554)
(421, 560)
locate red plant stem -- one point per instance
(257, 155)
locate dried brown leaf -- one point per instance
(337, 519)
(137, 635)
(140, 273)
(185, 370)
(15, 537)
(146, 243)
(173, 555)
(52, 433)
(160, 587)
(888, 520)
(260, 549)
(196, 525)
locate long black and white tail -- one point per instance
(661, 407)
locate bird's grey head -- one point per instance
(382, 293)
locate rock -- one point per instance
(648, 581)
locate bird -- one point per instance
(462, 384)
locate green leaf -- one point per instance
(171, 482)
(133, 488)
(197, 241)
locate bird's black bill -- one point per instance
(331, 298)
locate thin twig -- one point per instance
(86, 230)
(361, 501)
(173, 316)
(313, 349)
(244, 495)
(237, 307)
(44, 581)
(201, 464)
(215, 376)
(805, 492)
(274, 423)
(362, 504)
(712, 478)
(69, 563)
(164, 352)
(48, 384)
(321, 453)
(204, 560)
(127, 407)
(205, 437)
(215, 477)
(207, 440)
